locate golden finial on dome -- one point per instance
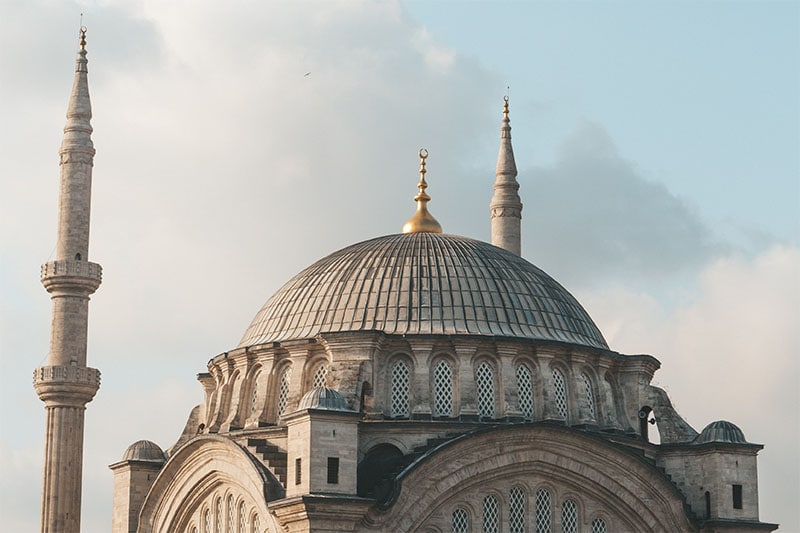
(422, 221)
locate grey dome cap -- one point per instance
(424, 283)
(323, 398)
(721, 431)
(144, 450)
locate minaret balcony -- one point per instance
(71, 274)
(64, 383)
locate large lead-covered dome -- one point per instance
(424, 283)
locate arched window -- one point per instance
(242, 518)
(194, 529)
(544, 517)
(320, 376)
(491, 516)
(256, 525)
(516, 515)
(398, 403)
(525, 390)
(443, 389)
(254, 393)
(231, 515)
(207, 522)
(569, 517)
(283, 389)
(460, 521)
(587, 385)
(560, 390)
(598, 525)
(218, 517)
(484, 381)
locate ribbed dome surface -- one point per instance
(721, 431)
(323, 398)
(423, 283)
(144, 450)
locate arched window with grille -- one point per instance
(320, 376)
(218, 516)
(516, 514)
(491, 515)
(587, 387)
(231, 515)
(254, 392)
(460, 521)
(544, 515)
(569, 517)
(283, 389)
(207, 521)
(443, 389)
(484, 382)
(599, 525)
(255, 524)
(525, 390)
(400, 389)
(560, 393)
(242, 518)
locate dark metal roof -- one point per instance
(721, 431)
(423, 283)
(144, 450)
(323, 398)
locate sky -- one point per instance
(238, 142)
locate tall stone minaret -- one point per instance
(506, 207)
(66, 384)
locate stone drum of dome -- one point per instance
(424, 283)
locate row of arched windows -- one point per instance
(443, 387)
(492, 519)
(226, 515)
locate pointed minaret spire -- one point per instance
(506, 206)
(67, 384)
(422, 221)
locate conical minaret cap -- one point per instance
(422, 221)
(78, 130)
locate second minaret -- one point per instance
(506, 206)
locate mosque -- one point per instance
(413, 382)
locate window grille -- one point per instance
(283, 392)
(333, 470)
(242, 518)
(400, 389)
(543, 515)
(218, 516)
(443, 390)
(560, 393)
(525, 390)
(598, 525)
(490, 515)
(460, 521)
(256, 525)
(587, 383)
(484, 379)
(320, 376)
(207, 522)
(254, 396)
(569, 517)
(231, 515)
(516, 518)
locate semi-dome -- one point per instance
(144, 450)
(721, 431)
(424, 283)
(323, 398)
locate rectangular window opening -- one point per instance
(333, 470)
(737, 496)
(298, 476)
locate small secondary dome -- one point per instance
(144, 450)
(721, 431)
(323, 398)
(424, 283)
